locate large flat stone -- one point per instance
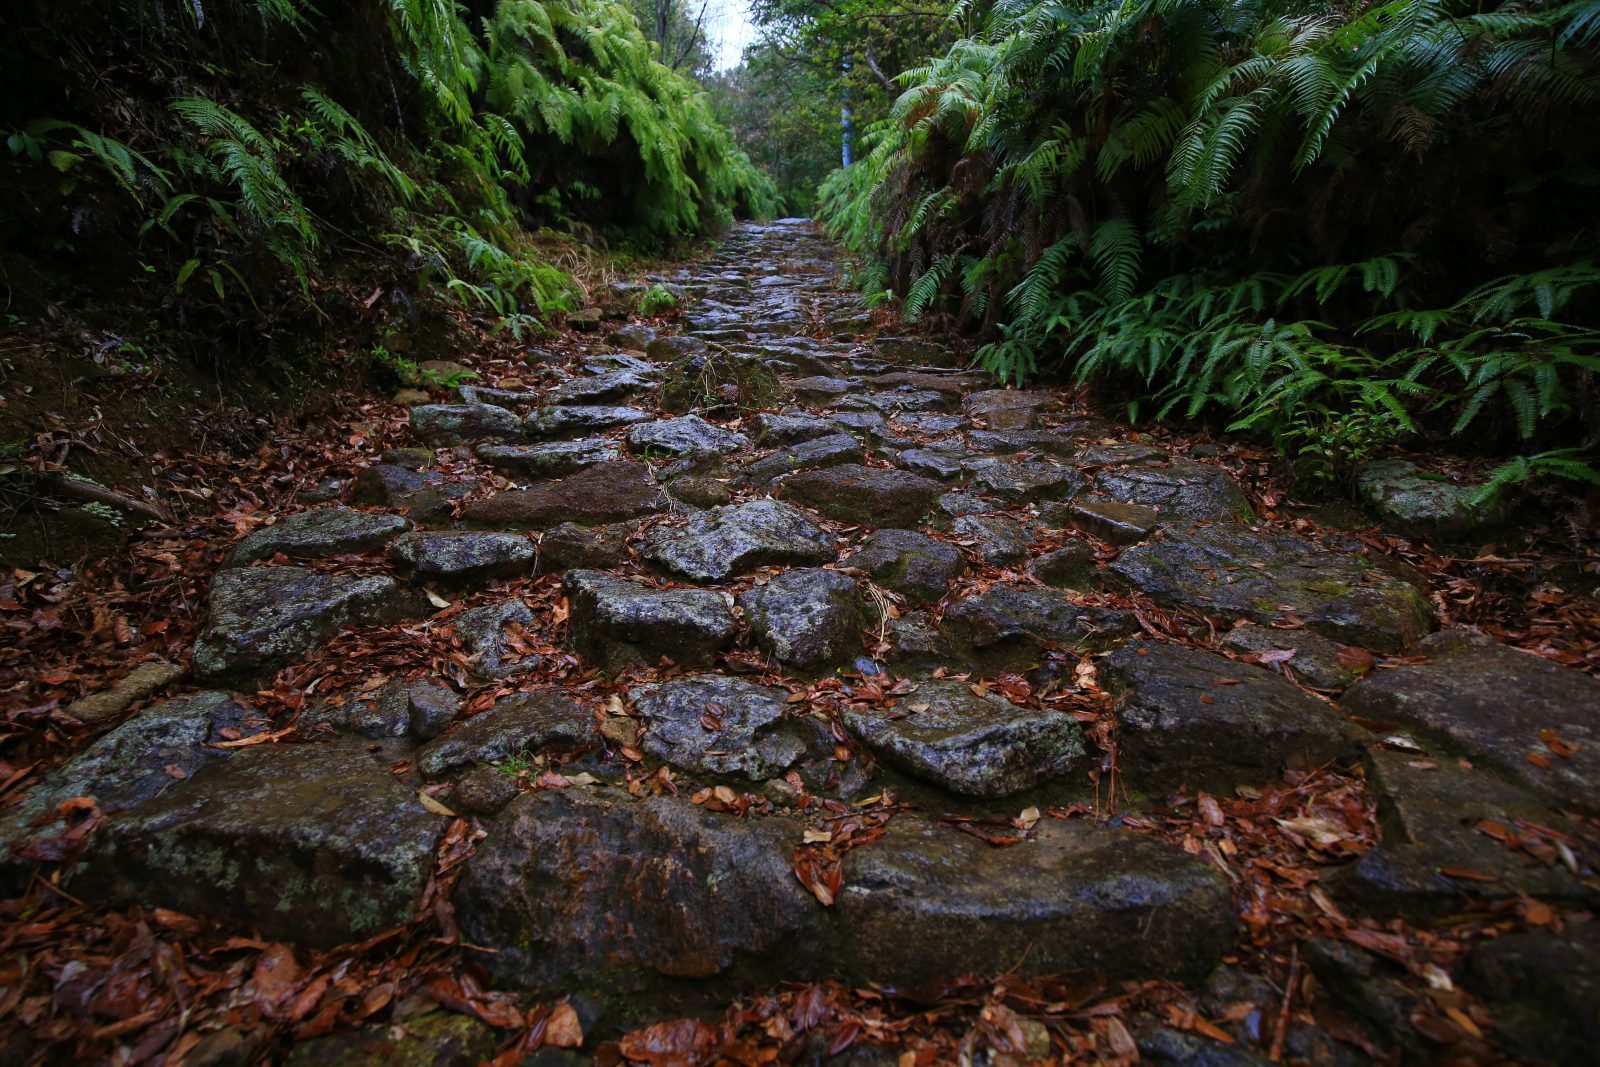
(448, 424)
(460, 557)
(264, 618)
(1264, 575)
(520, 722)
(984, 746)
(1196, 718)
(320, 532)
(612, 491)
(728, 727)
(926, 902)
(1491, 703)
(563, 420)
(738, 538)
(809, 619)
(314, 843)
(615, 622)
(1183, 489)
(550, 459)
(850, 492)
(910, 563)
(589, 887)
(686, 435)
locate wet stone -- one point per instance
(1009, 409)
(601, 388)
(1110, 520)
(484, 791)
(379, 713)
(438, 1039)
(809, 620)
(790, 428)
(1231, 572)
(462, 557)
(999, 539)
(1315, 660)
(926, 423)
(910, 563)
(893, 402)
(313, 843)
(1026, 481)
(1196, 718)
(263, 618)
(1007, 442)
(1109, 453)
(727, 727)
(448, 424)
(607, 492)
(318, 533)
(926, 902)
(521, 722)
(127, 766)
(571, 546)
(581, 886)
(1008, 628)
(819, 389)
(678, 347)
(1182, 489)
(942, 463)
(514, 400)
(549, 460)
(1072, 566)
(574, 420)
(615, 622)
(615, 361)
(1429, 814)
(483, 633)
(867, 424)
(739, 538)
(633, 337)
(699, 491)
(983, 746)
(1484, 700)
(854, 493)
(1543, 991)
(685, 435)
(1421, 503)
(808, 455)
(412, 459)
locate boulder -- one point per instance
(686, 435)
(615, 622)
(462, 557)
(1196, 718)
(314, 843)
(594, 547)
(944, 464)
(320, 532)
(1072, 566)
(853, 493)
(607, 492)
(387, 711)
(448, 424)
(790, 428)
(809, 620)
(926, 903)
(1496, 706)
(264, 618)
(550, 459)
(1421, 503)
(910, 563)
(520, 722)
(728, 727)
(1232, 572)
(1109, 520)
(982, 746)
(589, 887)
(820, 389)
(739, 538)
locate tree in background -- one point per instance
(678, 27)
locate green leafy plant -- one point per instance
(657, 300)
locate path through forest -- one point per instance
(695, 665)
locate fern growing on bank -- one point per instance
(1291, 216)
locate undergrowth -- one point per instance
(1343, 228)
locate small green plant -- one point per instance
(519, 764)
(657, 300)
(717, 380)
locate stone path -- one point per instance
(887, 589)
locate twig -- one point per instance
(1281, 1029)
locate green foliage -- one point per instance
(657, 300)
(259, 142)
(1334, 225)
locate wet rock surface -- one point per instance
(317, 843)
(904, 593)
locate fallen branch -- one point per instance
(66, 485)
